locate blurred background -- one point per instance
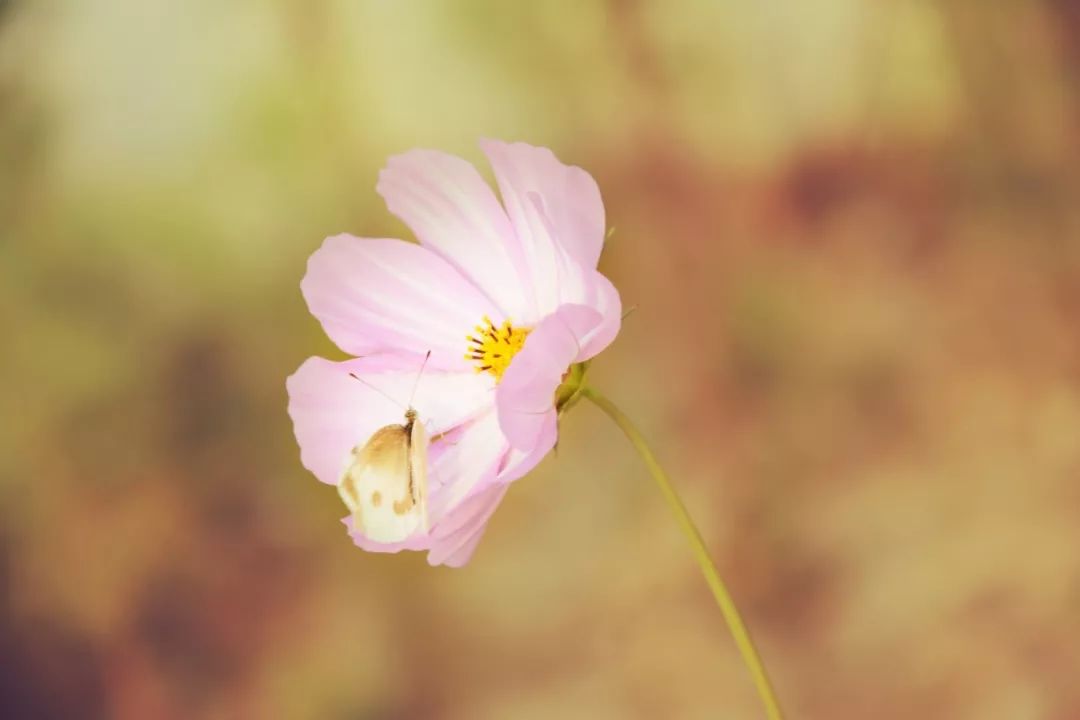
(852, 232)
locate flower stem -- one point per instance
(697, 544)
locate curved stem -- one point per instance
(697, 544)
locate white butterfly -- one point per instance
(385, 483)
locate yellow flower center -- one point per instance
(492, 348)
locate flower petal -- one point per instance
(452, 211)
(455, 540)
(378, 295)
(557, 277)
(577, 284)
(525, 398)
(604, 298)
(461, 556)
(518, 463)
(333, 412)
(569, 194)
(464, 463)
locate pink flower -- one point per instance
(506, 297)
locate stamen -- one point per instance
(493, 347)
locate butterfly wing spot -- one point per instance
(376, 499)
(347, 488)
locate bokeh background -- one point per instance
(852, 232)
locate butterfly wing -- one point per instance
(418, 447)
(379, 489)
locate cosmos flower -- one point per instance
(505, 298)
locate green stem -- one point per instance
(697, 544)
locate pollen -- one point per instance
(492, 348)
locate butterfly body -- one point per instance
(385, 483)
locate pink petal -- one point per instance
(465, 462)
(559, 279)
(556, 277)
(578, 285)
(461, 556)
(377, 295)
(568, 193)
(453, 212)
(454, 541)
(333, 412)
(518, 463)
(525, 398)
(603, 298)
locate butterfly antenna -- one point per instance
(356, 377)
(420, 374)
